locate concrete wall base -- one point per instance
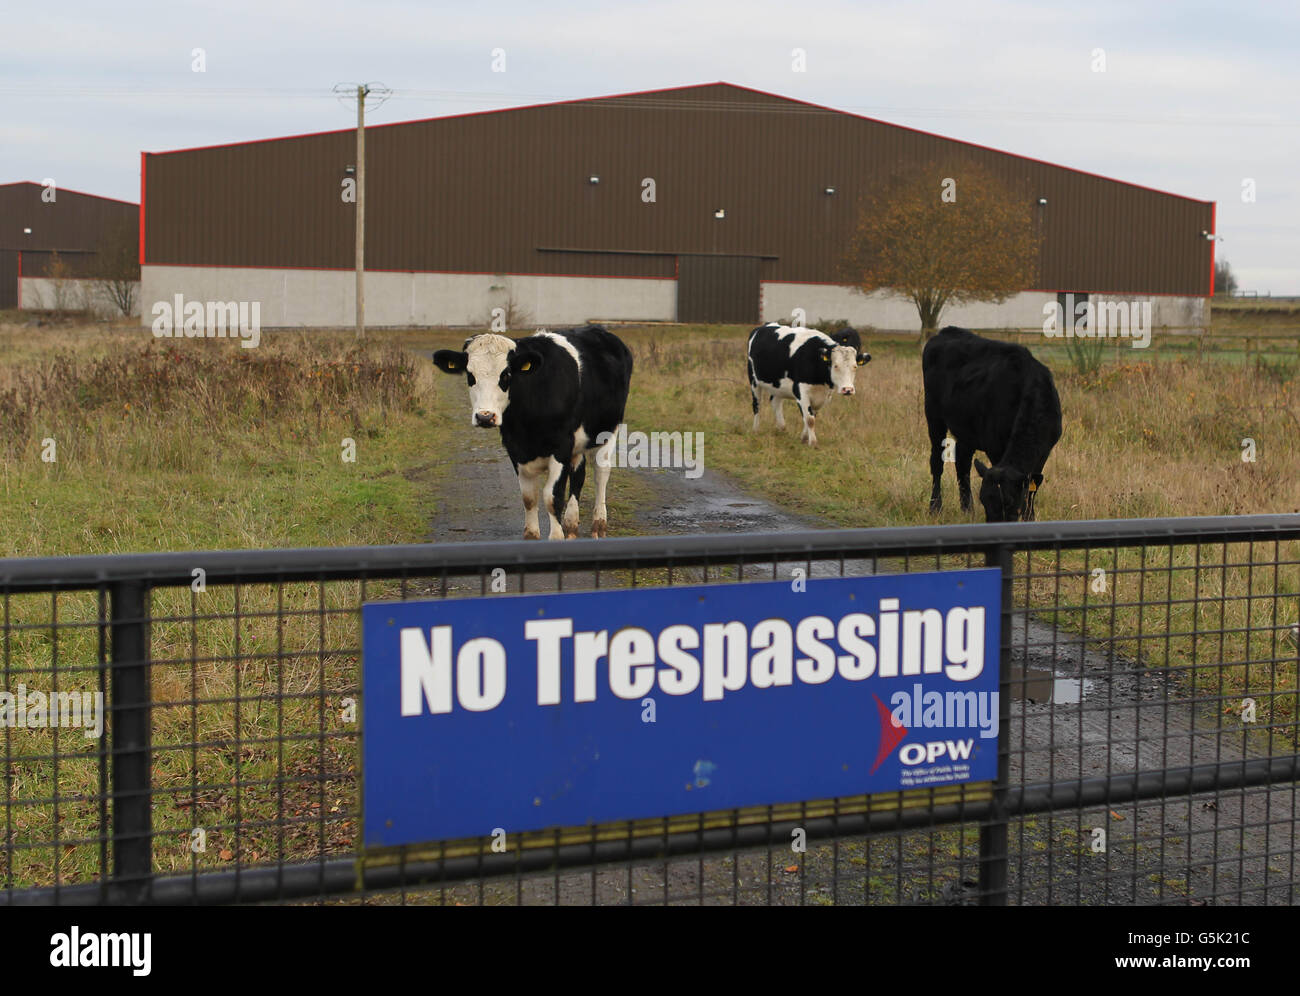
(324, 299)
(44, 294)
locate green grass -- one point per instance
(197, 446)
(1161, 437)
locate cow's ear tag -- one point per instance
(1033, 486)
(526, 365)
(450, 365)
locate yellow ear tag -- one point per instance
(1033, 485)
(526, 365)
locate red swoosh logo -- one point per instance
(891, 733)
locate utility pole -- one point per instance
(362, 90)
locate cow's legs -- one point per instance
(938, 432)
(963, 456)
(553, 489)
(604, 463)
(530, 487)
(778, 410)
(577, 475)
(809, 420)
(753, 394)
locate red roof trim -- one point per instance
(1214, 228)
(691, 86)
(143, 157)
(69, 190)
(973, 145)
(442, 117)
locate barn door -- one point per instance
(717, 289)
(8, 279)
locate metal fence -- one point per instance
(1148, 748)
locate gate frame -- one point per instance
(128, 580)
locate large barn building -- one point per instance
(712, 203)
(42, 226)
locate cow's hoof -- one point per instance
(571, 535)
(532, 534)
(599, 529)
(935, 507)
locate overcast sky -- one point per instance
(1194, 98)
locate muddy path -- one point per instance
(1078, 711)
(478, 501)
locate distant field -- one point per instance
(1259, 308)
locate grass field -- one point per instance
(205, 445)
(198, 446)
(172, 447)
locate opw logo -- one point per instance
(919, 710)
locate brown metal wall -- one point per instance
(507, 192)
(75, 264)
(74, 221)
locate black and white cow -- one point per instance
(552, 394)
(803, 364)
(992, 396)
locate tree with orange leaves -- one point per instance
(944, 234)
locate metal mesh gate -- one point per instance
(185, 729)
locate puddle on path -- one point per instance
(1038, 685)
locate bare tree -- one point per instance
(1225, 282)
(115, 269)
(62, 285)
(942, 234)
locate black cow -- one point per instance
(995, 397)
(552, 394)
(803, 364)
(849, 337)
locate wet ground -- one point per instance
(1078, 712)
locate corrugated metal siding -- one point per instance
(499, 192)
(75, 264)
(73, 221)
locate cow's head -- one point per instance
(1007, 494)
(851, 337)
(489, 362)
(843, 362)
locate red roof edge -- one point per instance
(691, 86)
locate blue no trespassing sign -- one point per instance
(526, 712)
